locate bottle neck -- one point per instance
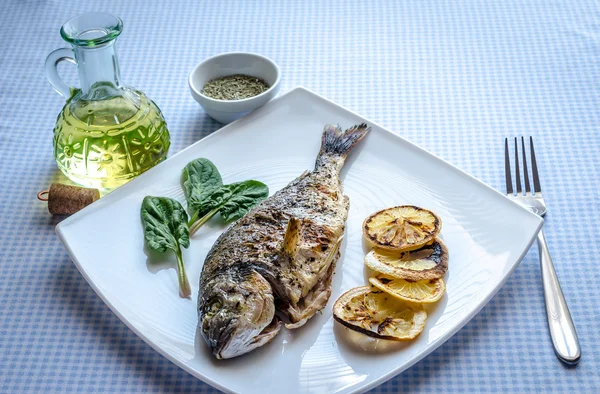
(98, 69)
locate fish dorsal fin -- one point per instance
(292, 237)
(303, 175)
(300, 178)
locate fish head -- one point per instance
(237, 312)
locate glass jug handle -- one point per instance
(52, 61)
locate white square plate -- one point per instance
(487, 235)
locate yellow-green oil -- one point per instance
(105, 143)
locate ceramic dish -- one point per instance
(226, 111)
(275, 144)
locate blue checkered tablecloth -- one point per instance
(455, 77)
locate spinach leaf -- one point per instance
(200, 178)
(217, 198)
(165, 228)
(232, 201)
(244, 196)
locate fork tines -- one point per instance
(534, 169)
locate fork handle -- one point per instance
(562, 330)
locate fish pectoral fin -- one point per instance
(334, 250)
(311, 304)
(292, 237)
(268, 333)
(293, 326)
(317, 297)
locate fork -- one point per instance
(560, 325)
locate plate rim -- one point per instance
(376, 382)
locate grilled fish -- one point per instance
(280, 256)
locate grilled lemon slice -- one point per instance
(429, 262)
(423, 291)
(403, 228)
(379, 315)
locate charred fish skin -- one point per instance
(280, 256)
(238, 308)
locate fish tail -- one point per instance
(336, 144)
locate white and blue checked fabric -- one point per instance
(455, 77)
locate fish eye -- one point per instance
(215, 306)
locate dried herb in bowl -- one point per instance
(234, 87)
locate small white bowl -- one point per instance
(226, 111)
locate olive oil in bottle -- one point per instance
(103, 144)
(107, 133)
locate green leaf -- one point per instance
(232, 202)
(165, 224)
(200, 178)
(165, 228)
(217, 198)
(240, 198)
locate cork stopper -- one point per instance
(66, 199)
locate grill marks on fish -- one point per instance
(291, 241)
(314, 222)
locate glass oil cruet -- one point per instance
(107, 133)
